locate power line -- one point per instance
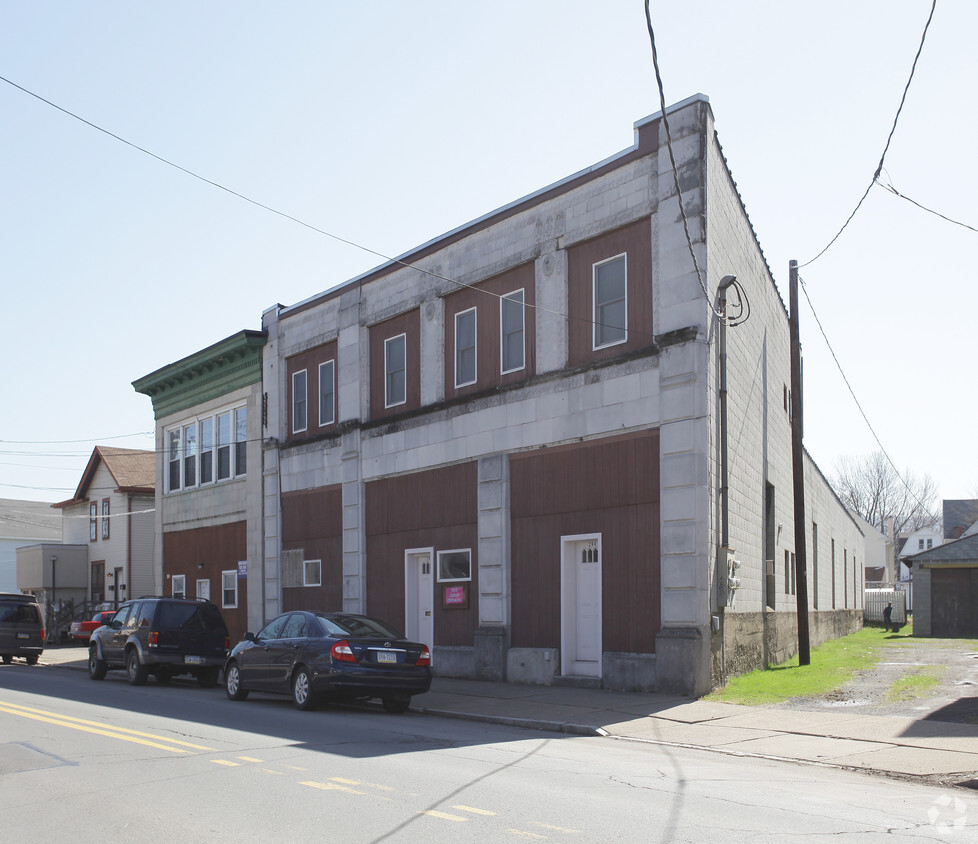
(888, 186)
(86, 440)
(879, 167)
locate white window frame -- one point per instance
(239, 443)
(330, 367)
(402, 338)
(598, 325)
(509, 298)
(174, 446)
(299, 426)
(225, 575)
(207, 446)
(223, 442)
(474, 347)
(229, 442)
(438, 567)
(190, 450)
(181, 591)
(318, 570)
(203, 594)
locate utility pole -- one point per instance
(798, 469)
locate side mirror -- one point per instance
(250, 637)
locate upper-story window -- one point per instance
(209, 449)
(105, 518)
(327, 393)
(512, 330)
(395, 370)
(299, 402)
(93, 521)
(465, 348)
(610, 292)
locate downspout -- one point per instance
(721, 561)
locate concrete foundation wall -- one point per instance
(748, 641)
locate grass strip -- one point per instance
(833, 663)
(917, 683)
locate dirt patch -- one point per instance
(885, 690)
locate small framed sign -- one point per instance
(455, 597)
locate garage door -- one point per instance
(954, 602)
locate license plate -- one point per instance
(386, 656)
(193, 660)
(23, 635)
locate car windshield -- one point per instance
(358, 625)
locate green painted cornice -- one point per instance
(208, 374)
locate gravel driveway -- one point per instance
(952, 662)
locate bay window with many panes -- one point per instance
(207, 450)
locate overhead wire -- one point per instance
(886, 148)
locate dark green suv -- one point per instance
(164, 637)
(21, 628)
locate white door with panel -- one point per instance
(419, 596)
(580, 611)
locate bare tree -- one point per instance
(873, 488)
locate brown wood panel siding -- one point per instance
(309, 360)
(410, 325)
(312, 521)
(434, 509)
(484, 297)
(635, 241)
(610, 487)
(203, 553)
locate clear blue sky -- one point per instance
(391, 123)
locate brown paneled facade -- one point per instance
(206, 554)
(312, 522)
(485, 300)
(634, 242)
(319, 366)
(433, 509)
(408, 326)
(608, 487)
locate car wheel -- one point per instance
(302, 689)
(397, 705)
(232, 683)
(207, 678)
(163, 675)
(96, 666)
(31, 660)
(136, 672)
(7, 659)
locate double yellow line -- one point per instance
(80, 724)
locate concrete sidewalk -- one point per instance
(924, 749)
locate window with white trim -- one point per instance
(455, 565)
(327, 393)
(312, 572)
(93, 521)
(178, 586)
(105, 518)
(299, 402)
(229, 589)
(204, 589)
(610, 293)
(211, 448)
(395, 370)
(512, 330)
(465, 347)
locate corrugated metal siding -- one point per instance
(609, 487)
(435, 509)
(635, 240)
(203, 553)
(312, 528)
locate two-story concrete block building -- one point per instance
(509, 440)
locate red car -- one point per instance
(81, 631)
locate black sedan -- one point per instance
(335, 656)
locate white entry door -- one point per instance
(419, 596)
(580, 638)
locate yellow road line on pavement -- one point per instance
(250, 759)
(330, 786)
(85, 729)
(443, 815)
(556, 828)
(65, 718)
(473, 810)
(226, 762)
(525, 834)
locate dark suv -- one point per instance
(163, 637)
(21, 628)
